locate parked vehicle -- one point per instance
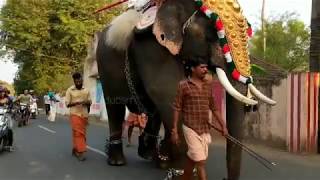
(4, 127)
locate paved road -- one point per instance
(43, 152)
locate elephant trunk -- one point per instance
(231, 90)
(260, 96)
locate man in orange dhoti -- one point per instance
(79, 101)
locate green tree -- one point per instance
(287, 43)
(48, 39)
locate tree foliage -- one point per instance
(287, 43)
(48, 39)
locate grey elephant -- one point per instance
(140, 69)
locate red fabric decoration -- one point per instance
(236, 74)
(226, 49)
(249, 31)
(219, 25)
(203, 9)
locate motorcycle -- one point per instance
(24, 114)
(4, 128)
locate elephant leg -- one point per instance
(148, 140)
(170, 155)
(235, 117)
(116, 113)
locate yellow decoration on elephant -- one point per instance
(236, 26)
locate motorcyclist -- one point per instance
(5, 101)
(31, 92)
(10, 98)
(25, 99)
(34, 100)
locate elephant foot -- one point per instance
(114, 151)
(147, 146)
(163, 160)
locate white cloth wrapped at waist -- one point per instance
(198, 145)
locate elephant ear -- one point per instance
(167, 27)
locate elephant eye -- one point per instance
(162, 37)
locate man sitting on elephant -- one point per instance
(194, 99)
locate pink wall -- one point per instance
(302, 119)
(294, 119)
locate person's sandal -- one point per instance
(74, 152)
(81, 157)
(9, 148)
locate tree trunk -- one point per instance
(315, 37)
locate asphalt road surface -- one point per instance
(43, 152)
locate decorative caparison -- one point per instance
(224, 42)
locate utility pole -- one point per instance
(264, 34)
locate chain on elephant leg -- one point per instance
(114, 150)
(148, 145)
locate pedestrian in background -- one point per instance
(47, 103)
(53, 106)
(135, 120)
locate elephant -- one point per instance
(140, 70)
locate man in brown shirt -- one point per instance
(194, 100)
(79, 101)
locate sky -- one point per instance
(7, 68)
(251, 9)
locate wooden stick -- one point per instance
(110, 6)
(252, 153)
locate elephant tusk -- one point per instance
(261, 96)
(231, 90)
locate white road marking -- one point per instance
(47, 129)
(96, 151)
(90, 148)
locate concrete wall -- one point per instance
(292, 124)
(268, 123)
(92, 82)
